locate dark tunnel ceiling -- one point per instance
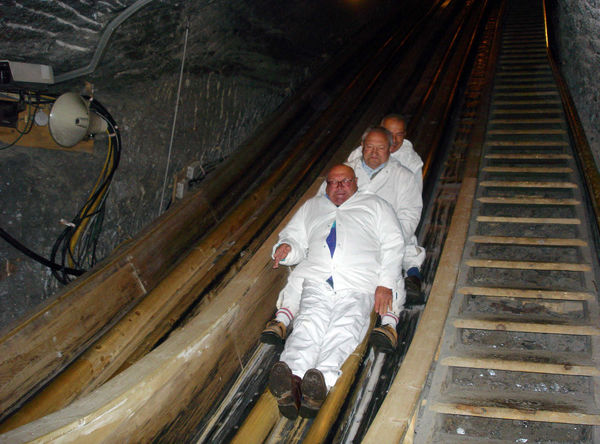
(223, 33)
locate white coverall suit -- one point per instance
(332, 321)
(397, 186)
(414, 255)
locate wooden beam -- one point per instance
(528, 327)
(529, 294)
(527, 102)
(529, 93)
(261, 420)
(38, 136)
(525, 122)
(516, 414)
(523, 265)
(513, 111)
(535, 170)
(520, 366)
(510, 240)
(528, 200)
(526, 184)
(528, 156)
(529, 220)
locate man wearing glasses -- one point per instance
(348, 245)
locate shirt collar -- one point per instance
(371, 171)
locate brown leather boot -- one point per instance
(274, 333)
(313, 391)
(384, 338)
(286, 388)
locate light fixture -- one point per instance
(71, 120)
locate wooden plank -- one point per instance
(530, 49)
(39, 136)
(524, 121)
(555, 242)
(528, 86)
(534, 143)
(513, 111)
(529, 220)
(527, 201)
(528, 327)
(523, 265)
(34, 351)
(527, 102)
(532, 294)
(551, 170)
(540, 131)
(516, 414)
(528, 93)
(526, 184)
(528, 156)
(520, 366)
(524, 73)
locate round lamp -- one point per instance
(71, 120)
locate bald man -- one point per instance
(348, 245)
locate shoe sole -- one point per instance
(288, 408)
(271, 338)
(314, 391)
(280, 380)
(381, 342)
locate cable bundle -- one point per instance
(76, 246)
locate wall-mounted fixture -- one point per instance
(71, 120)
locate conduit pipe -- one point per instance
(91, 67)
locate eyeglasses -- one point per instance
(336, 183)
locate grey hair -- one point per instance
(377, 129)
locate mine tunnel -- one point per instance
(151, 152)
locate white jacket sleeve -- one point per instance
(295, 234)
(409, 204)
(392, 247)
(355, 154)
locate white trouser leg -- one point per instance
(349, 323)
(399, 297)
(414, 255)
(310, 325)
(289, 299)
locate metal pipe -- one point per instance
(91, 67)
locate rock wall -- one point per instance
(243, 59)
(578, 29)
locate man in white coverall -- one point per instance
(380, 174)
(402, 151)
(349, 247)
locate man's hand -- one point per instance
(383, 300)
(280, 254)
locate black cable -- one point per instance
(86, 246)
(42, 260)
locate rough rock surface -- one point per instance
(579, 51)
(243, 59)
